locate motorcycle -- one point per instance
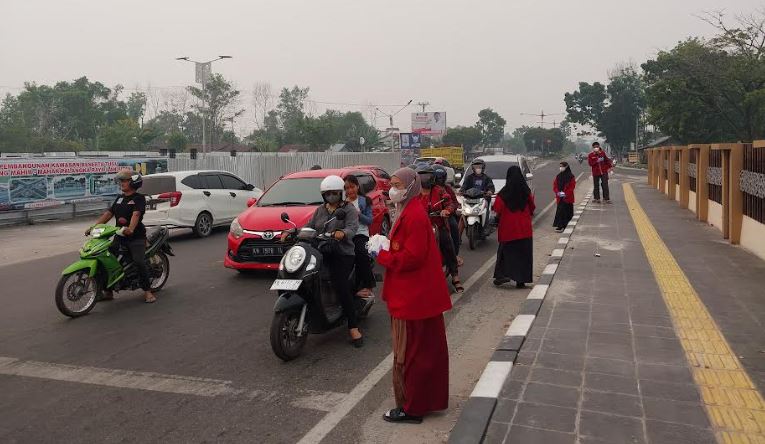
(82, 283)
(307, 302)
(475, 210)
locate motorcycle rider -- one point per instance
(436, 199)
(477, 179)
(440, 175)
(341, 259)
(128, 210)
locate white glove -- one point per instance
(561, 194)
(377, 243)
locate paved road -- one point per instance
(195, 367)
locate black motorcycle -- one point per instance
(307, 302)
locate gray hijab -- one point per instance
(411, 181)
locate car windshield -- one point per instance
(498, 170)
(293, 192)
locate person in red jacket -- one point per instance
(417, 297)
(515, 208)
(601, 165)
(563, 187)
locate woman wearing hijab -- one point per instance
(515, 207)
(563, 187)
(417, 296)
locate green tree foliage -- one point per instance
(491, 125)
(177, 141)
(547, 141)
(219, 102)
(467, 136)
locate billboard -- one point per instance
(37, 183)
(410, 140)
(430, 123)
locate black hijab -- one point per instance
(564, 177)
(515, 193)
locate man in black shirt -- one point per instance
(128, 210)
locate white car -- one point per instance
(200, 200)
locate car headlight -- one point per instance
(236, 229)
(294, 259)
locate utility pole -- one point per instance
(542, 116)
(423, 105)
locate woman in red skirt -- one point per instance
(417, 296)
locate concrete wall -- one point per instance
(716, 215)
(753, 236)
(692, 201)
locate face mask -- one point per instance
(597, 150)
(332, 198)
(396, 195)
(562, 169)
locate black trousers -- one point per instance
(602, 181)
(340, 267)
(454, 228)
(446, 245)
(137, 249)
(364, 276)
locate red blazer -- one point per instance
(514, 225)
(414, 286)
(599, 168)
(569, 190)
(430, 202)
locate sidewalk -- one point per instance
(651, 332)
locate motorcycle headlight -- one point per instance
(236, 229)
(96, 232)
(294, 259)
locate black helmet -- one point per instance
(135, 178)
(439, 174)
(427, 175)
(478, 162)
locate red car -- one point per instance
(254, 239)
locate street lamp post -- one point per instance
(203, 71)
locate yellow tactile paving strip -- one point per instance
(735, 408)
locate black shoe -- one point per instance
(499, 282)
(520, 285)
(399, 415)
(106, 296)
(358, 342)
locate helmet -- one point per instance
(332, 183)
(439, 174)
(135, 179)
(478, 162)
(427, 175)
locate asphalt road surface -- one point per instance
(194, 367)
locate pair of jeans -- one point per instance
(137, 250)
(364, 276)
(601, 181)
(340, 267)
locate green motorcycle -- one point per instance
(83, 282)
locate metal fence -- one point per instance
(263, 169)
(714, 176)
(752, 182)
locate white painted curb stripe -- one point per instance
(558, 252)
(538, 292)
(568, 230)
(520, 325)
(550, 269)
(563, 240)
(492, 380)
(572, 223)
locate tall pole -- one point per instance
(423, 105)
(204, 120)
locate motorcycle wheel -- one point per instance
(76, 293)
(472, 235)
(159, 267)
(285, 343)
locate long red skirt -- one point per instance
(420, 365)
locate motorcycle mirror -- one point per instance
(285, 217)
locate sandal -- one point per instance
(458, 286)
(150, 301)
(460, 261)
(399, 415)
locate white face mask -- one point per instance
(396, 195)
(562, 169)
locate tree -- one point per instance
(136, 106)
(177, 141)
(546, 141)
(262, 103)
(491, 125)
(291, 112)
(467, 136)
(219, 103)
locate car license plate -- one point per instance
(286, 284)
(267, 251)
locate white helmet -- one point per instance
(332, 183)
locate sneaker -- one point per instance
(559, 230)
(608, 201)
(596, 200)
(499, 282)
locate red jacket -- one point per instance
(599, 168)
(569, 190)
(514, 225)
(414, 286)
(438, 200)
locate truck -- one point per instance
(453, 154)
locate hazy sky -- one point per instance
(516, 56)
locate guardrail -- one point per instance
(60, 212)
(723, 184)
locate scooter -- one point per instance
(83, 282)
(475, 210)
(307, 302)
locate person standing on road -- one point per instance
(341, 260)
(128, 210)
(563, 187)
(515, 208)
(417, 297)
(600, 164)
(365, 279)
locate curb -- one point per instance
(477, 412)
